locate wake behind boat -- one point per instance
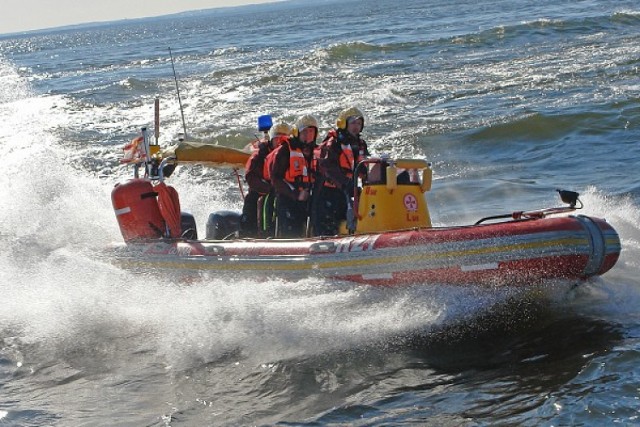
(388, 239)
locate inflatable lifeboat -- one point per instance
(388, 240)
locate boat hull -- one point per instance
(507, 253)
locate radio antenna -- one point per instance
(175, 77)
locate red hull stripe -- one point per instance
(517, 252)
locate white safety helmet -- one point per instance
(351, 113)
(280, 128)
(305, 121)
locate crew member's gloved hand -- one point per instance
(303, 196)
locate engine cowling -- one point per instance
(136, 207)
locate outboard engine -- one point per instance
(137, 211)
(223, 225)
(188, 226)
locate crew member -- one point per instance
(291, 168)
(340, 152)
(258, 203)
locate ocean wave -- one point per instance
(541, 28)
(13, 86)
(627, 17)
(539, 126)
(349, 50)
(545, 27)
(135, 84)
(536, 126)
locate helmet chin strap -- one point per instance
(349, 135)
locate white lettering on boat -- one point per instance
(179, 250)
(356, 244)
(478, 267)
(381, 276)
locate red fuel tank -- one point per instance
(136, 206)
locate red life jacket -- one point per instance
(260, 151)
(268, 164)
(269, 159)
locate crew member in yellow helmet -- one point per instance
(340, 152)
(258, 204)
(292, 173)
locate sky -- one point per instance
(25, 15)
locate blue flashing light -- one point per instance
(264, 123)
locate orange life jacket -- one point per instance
(298, 171)
(346, 159)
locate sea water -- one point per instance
(508, 100)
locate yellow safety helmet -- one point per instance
(305, 121)
(280, 128)
(349, 113)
